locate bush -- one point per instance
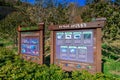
(12, 67)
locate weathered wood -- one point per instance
(19, 42)
(98, 49)
(41, 47)
(89, 25)
(35, 28)
(71, 65)
(52, 48)
(38, 33)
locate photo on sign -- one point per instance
(82, 54)
(34, 40)
(72, 54)
(25, 40)
(82, 50)
(68, 35)
(29, 49)
(72, 50)
(24, 48)
(87, 35)
(34, 49)
(63, 50)
(77, 35)
(60, 35)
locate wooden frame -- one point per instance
(40, 35)
(96, 27)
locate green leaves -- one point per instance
(111, 12)
(14, 68)
(29, 28)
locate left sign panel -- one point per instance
(30, 43)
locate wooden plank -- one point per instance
(89, 25)
(41, 48)
(73, 62)
(19, 43)
(98, 51)
(40, 27)
(52, 48)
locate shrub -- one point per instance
(12, 67)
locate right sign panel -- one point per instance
(75, 45)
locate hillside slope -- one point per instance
(29, 15)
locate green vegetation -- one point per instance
(29, 28)
(12, 67)
(111, 60)
(111, 31)
(3, 3)
(112, 68)
(12, 15)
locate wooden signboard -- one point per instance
(77, 46)
(31, 43)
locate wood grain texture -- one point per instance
(96, 65)
(37, 59)
(98, 47)
(89, 25)
(52, 48)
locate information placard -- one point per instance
(30, 43)
(77, 46)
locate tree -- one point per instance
(89, 1)
(117, 2)
(94, 1)
(74, 12)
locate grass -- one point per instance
(6, 42)
(111, 52)
(111, 67)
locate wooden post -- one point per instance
(42, 43)
(19, 40)
(52, 47)
(98, 51)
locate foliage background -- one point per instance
(14, 13)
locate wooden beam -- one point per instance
(89, 25)
(98, 51)
(52, 48)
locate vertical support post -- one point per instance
(98, 47)
(41, 48)
(41, 43)
(19, 40)
(52, 47)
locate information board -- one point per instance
(76, 45)
(30, 43)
